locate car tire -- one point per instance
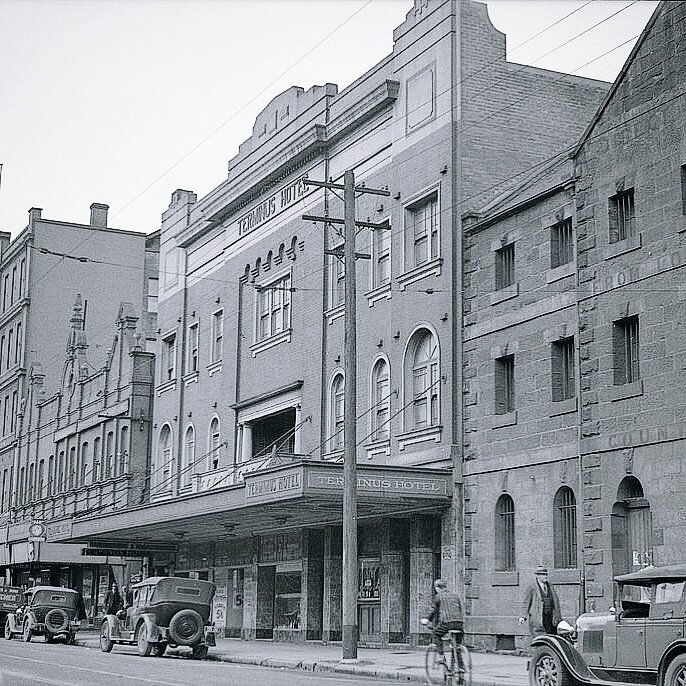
(159, 649)
(106, 642)
(27, 633)
(186, 627)
(8, 633)
(199, 652)
(547, 669)
(56, 620)
(144, 645)
(676, 671)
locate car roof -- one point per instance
(35, 589)
(154, 580)
(649, 574)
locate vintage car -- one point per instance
(166, 611)
(49, 611)
(642, 641)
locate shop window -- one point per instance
(622, 215)
(505, 534)
(287, 594)
(504, 266)
(422, 379)
(564, 528)
(381, 398)
(625, 341)
(561, 243)
(562, 377)
(422, 231)
(337, 413)
(504, 384)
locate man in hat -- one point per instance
(446, 614)
(541, 605)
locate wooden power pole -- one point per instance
(350, 571)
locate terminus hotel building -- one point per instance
(246, 467)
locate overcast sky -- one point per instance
(123, 101)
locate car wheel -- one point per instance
(27, 634)
(546, 669)
(186, 627)
(56, 620)
(8, 633)
(676, 672)
(199, 652)
(106, 643)
(144, 646)
(159, 649)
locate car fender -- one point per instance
(674, 648)
(570, 656)
(114, 625)
(155, 633)
(12, 617)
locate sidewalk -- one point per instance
(488, 669)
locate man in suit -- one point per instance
(541, 606)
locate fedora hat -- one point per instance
(541, 570)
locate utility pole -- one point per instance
(350, 571)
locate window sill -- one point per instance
(380, 293)
(214, 368)
(430, 433)
(621, 247)
(627, 390)
(500, 420)
(335, 313)
(561, 272)
(566, 406)
(166, 386)
(505, 579)
(511, 291)
(378, 448)
(432, 268)
(190, 378)
(284, 336)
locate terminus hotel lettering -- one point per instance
(397, 485)
(270, 206)
(276, 484)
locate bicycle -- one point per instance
(457, 671)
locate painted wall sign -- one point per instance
(270, 206)
(381, 484)
(58, 530)
(274, 486)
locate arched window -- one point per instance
(631, 527)
(22, 473)
(505, 534)
(337, 412)
(164, 459)
(564, 528)
(41, 479)
(123, 460)
(71, 467)
(51, 474)
(97, 459)
(381, 401)
(32, 474)
(188, 457)
(214, 444)
(422, 381)
(60, 472)
(109, 454)
(84, 463)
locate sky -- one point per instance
(123, 101)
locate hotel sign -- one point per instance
(274, 487)
(382, 484)
(271, 206)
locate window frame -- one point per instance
(214, 443)
(217, 341)
(193, 348)
(505, 384)
(337, 411)
(563, 369)
(270, 307)
(382, 252)
(187, 465)
(621, 226)
(428, 369)
(562, 242)
(505, 266)
(169, 361)
(505, 534)
(565, 545)
(626, 350)
(380, 410)
(429, 197)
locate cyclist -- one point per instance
(446, 615)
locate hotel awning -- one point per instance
(303, 494)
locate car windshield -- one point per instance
(54, 598)
(635, 600)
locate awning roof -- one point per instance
(296, 495)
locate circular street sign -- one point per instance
(37, 530)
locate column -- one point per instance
(298, 430)
(246, 442)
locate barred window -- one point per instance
(505, 534)
(622, 215)
(564, 528)
(563, 386)
(505, 266)
(625, 335)
(504, 385)
(561, 243)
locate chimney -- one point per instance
(99, 215)
(4, 242)
(34, 215)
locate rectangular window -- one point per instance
(422, 224)
(5, 291)
(22, 277)
(504, 385)
(622, 215)
(193, 344)
(561, 243)
(505, 266)
(626, 350)
(273, 308)
(217, 335)
(563, 369)
(381, 256)
(13, 416)
(337, 277)
(153, 290)
(10, 336)
(14, 284)
(17, 345)
(169, 358)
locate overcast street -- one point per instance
(40, 664)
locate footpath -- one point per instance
(397, 664)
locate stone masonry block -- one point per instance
(593, 557)
(595, 591)
(593, 524)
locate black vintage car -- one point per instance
(641, 641)
(166, 611)
(49, 611)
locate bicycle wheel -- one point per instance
(463, 667)
(436, 669)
